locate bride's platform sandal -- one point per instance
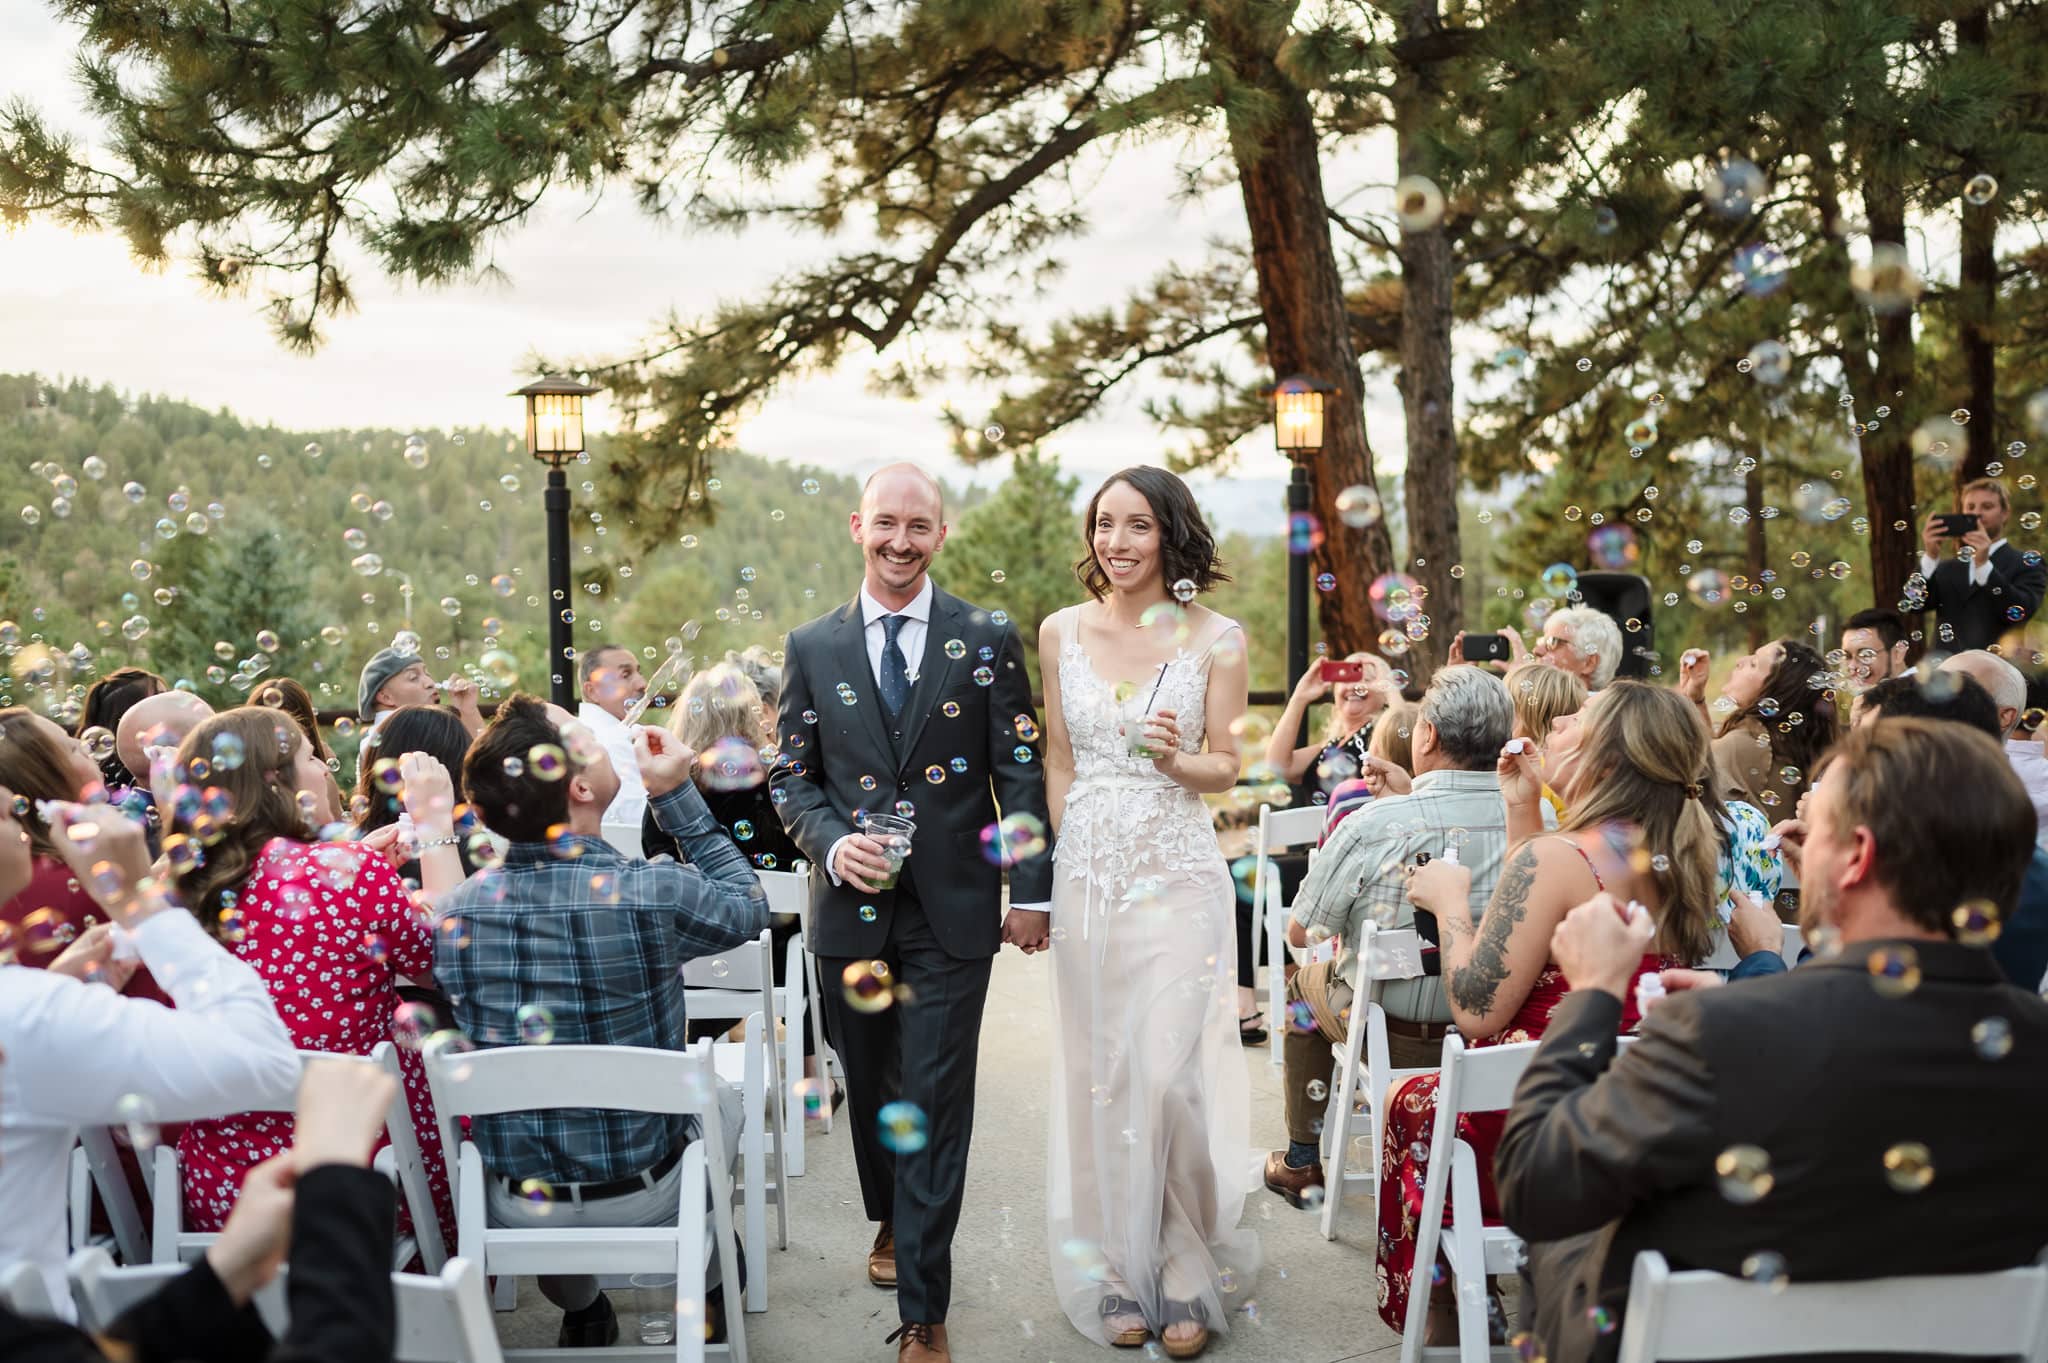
(1185, 1313)
(1130, 1337)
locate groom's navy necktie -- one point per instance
(895, 677)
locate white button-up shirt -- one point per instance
(622, 817)
(909, 636)
(76, 1051)
(1980, 567)
(2032, 769)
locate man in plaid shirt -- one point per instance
(572, 941)
(1454, 800)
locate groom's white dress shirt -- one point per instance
(910, 637)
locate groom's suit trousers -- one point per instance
(920, 1050)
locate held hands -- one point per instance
(1028, 930)
(861, 863)
(1601, 942)
(1442, 887)
(665, 763)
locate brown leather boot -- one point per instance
(1301, 1187)
(920, 1343)
(882, 1258)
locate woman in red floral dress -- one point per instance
(1635, 772)
(328, 925)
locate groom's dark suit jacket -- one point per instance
(1978, 617)
(968, 722)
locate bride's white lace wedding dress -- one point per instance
(1151, 1132)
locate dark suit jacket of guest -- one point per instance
(840, 755)
(1599, 1161)
(1975, 617)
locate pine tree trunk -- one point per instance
(1301, 295)
(1886, 380)
(1432, 476)
(1977, 296)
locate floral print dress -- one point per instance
(330, 929)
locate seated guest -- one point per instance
(1640, 824)
(1874, 647)
(1802, 1114)
(2008, 688)
(719, 718)
(1465, 719)
(1781, 723)
(393, 679)
(609, 676)
(106, 700)
(1583, 642)
(1340, 754)
(73, 1056)
(323, 1200)
(39, 761)
(159, 721)
(2020, 940)
(1388, 760)
(381, 788)
(282, 693)
(328, 927)
(571, 930)
(759, 665)
(1541, 696)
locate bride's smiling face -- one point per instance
(1125, 538)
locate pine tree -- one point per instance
(245, 590)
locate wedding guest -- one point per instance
(39, 761)
(1347, 732)
(759, 665)
(323, 1201)
(159, 721)
(1583, 642)
(328, 926)
(106, 700)
(1387, 758)
(573, 931)
(1455, 799)
(609, 676)
(380, 787)
(1989, 587)
(1784, 719)
(1640, 823)
(1911, 1103)
(718, 717)
(394, 679)
(73, 1056)
(282, 693)
(1541, 696)
(1874, 646)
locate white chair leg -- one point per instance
(1337, 1136)
(505, 1293)
(754, 1171)
(1276, 975)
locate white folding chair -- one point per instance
(613, 1078)
(441, 1318)
(1795, 942)
(401, 1161)
(1479, 1080)
(1279, 829)
(24, 1292)
(1365, 1072)
(739, 984)
(796, 1004)
(96, 1168)
(1702, 1315)
(790, 892)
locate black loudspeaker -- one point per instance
(1624, 597)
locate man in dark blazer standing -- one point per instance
(1875, 1112)
(1988, 587)
(910, 701)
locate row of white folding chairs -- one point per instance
(613, 1078)
(1279, 830)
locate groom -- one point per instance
(910, 701)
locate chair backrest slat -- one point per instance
(542, 1078)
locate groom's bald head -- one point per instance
(903, 484)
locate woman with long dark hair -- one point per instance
(1150, 1109)
(106, 700)
(1784, 718)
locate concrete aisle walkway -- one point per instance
(1313, 1301)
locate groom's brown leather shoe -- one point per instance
(920, 1343)
(882, 1258)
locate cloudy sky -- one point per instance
(583, 277)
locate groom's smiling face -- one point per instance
(899, 527)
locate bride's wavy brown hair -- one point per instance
(264, 800)
(1645, 761)
(1187, 549)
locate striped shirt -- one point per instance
(1358, 874)
(575, 943)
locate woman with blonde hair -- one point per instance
(718, 717)
(1347, 732)
(1541, 694)
(1642, 824)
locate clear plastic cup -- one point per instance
(1138, 713)
(894, 834)
(654, 1301)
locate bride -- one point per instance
(1150, 1107)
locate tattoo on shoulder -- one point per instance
(1475, 984)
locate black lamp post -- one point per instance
(1298, 433)
(554, 435)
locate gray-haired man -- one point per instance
(1454, 800)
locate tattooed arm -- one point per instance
(1489, 968)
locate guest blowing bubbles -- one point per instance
(1782, 722)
